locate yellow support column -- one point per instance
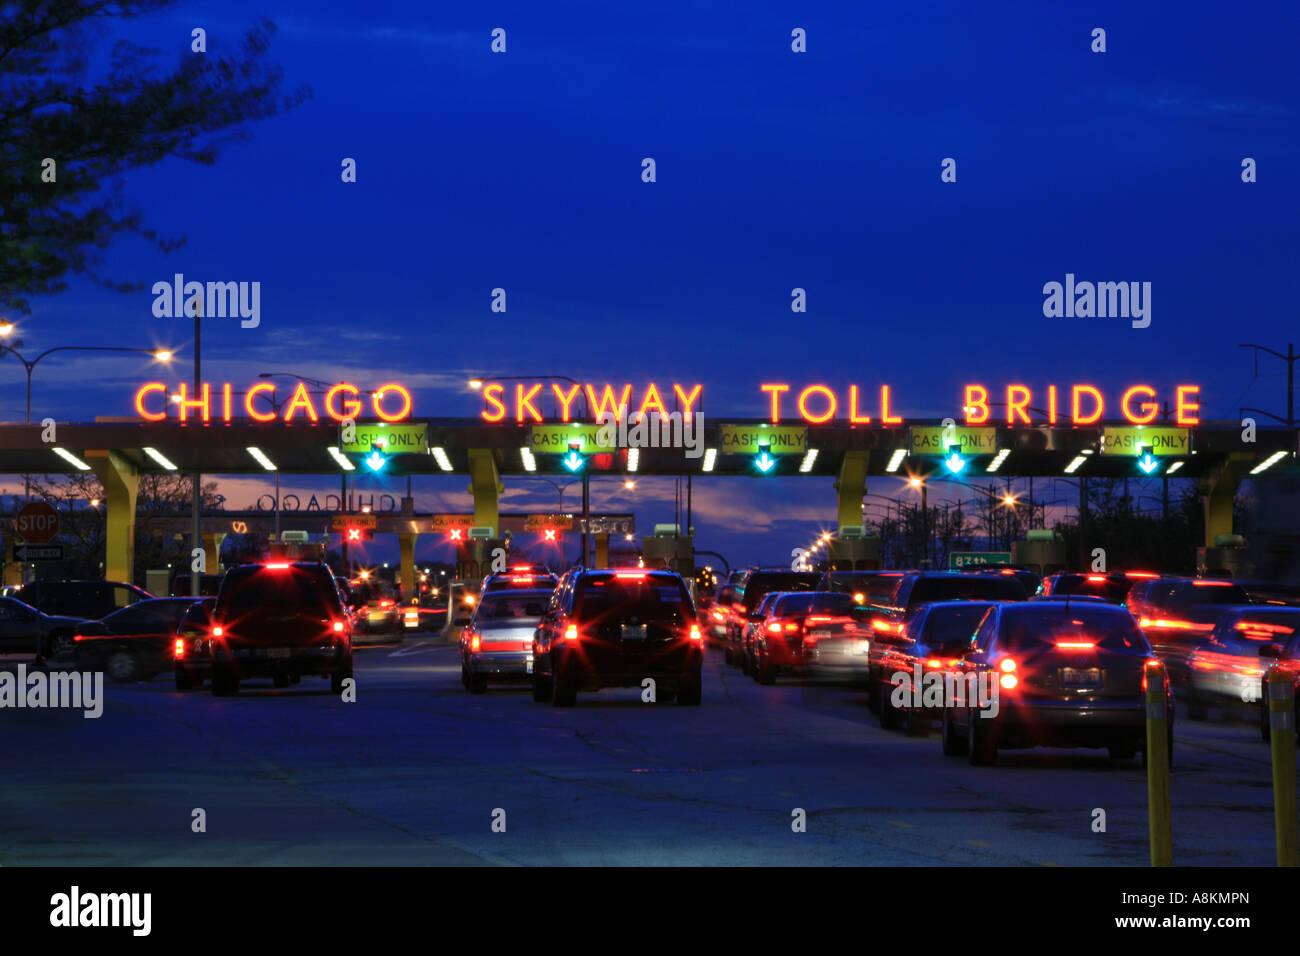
(121, 484)
(212, 551)
(409, 587)
(1218, 490)
(851, 486)
(485, 485)
(602, 550)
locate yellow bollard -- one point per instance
(1158, 812)
(1281, 725)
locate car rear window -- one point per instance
(869, 585)
(952, 625)
(248, 590)
(1210, 592)
(1109, 589)
(968, 587)
(505, 608)
(646, 598)
(1256, 627)
(760, 583)
(1036, 627)
(818, 602)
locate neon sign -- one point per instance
(153, 400)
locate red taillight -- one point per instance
(179, 649)
(880, 625)
(1211, 584)
(933, 663)
(386, 603)
(1255, 628)
(474, 640)
(774, 627)
(1076, 645)
(78, 637)
(1172, 624)
(1007, 665)
(631, 576)
(338, 627)
(278, 566)
(695, 633)
(1096, 577)
(1009, 681)
(218, 630)
(571, 633)
(791, 626)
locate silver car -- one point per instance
(497, 643)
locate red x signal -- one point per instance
(548, 534)
(454, 534)
(354, 534)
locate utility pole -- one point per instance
(197, 529)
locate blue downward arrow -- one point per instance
(1148, 463)
(765, 462)
(573, 461)
(955, 462)
(375, 461)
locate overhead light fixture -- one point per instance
(809, 457)
(159, 458)
(633, 458)
(1173, 467)
(341, 459)
(526, 456)
(261, 458)
(1073, 466)
(997, 461)
(1268, 462)
(710, 456)
(896, 459)
(440, 456)
(71, 459)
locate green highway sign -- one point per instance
(556, 439)
(969, 441)
(392, 439)
(1161, 441)
(779, 439)
(966, 559)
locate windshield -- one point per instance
(503, 610)
(952, 625)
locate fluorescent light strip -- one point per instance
(1173, 468)
(896, 459)
(261, 458)
(71, 459)
(526, 455)
(1268, 462)
(710, 456)
(809, 457)
(997, 461)
(341, 459)
(1074, 465)
(633, 458)
(160, 458)
(441, 458)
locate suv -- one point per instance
(88, 600)
(282, 620)
(605, 628)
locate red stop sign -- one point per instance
(36, 522)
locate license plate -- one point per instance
(1081, 676)
(821, 633)
(633, 632)
(530, 665)
(277, 652)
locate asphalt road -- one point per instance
(414, 771)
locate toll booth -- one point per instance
(1224, 559)
(297, 546)
(854, 549)
(474, 556)
(668, 548)
(1041, 551)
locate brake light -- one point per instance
(571, 633)
(1096, 577)
(774, 627)
(338, 627)
(1255, 628)
(1211, 584)
(933, 663)
(521, 578)
(1009, 681)
(695, 632)
(179, 650)
(717, 616)
(859, 597)
(218, 630)
(78, 637)
(474, 640)
(278, 566)
(1140, 574)
(386, 603)
(631, 576)
(1007, 665)
(1076, 645)
(792, 626)
(880, 625)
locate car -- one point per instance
(1228, 669)
(1113, 587)
(744, 655)
(617, 628)
(935, 638)
(887, 618)
(132, 644)
(1066, 674)
(191, 660)
(281, 620)
(85, 600)
(375, 610)
(865, 586)
(1029, 579)
(498, 641)
(757, 583)
(522, 576)
(1178, 615)
(806, 627)
(25, 630)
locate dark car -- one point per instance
(615, 629)
(281, 620)
(887, 618)
(865, 586)
(25, 630)
(191, 659)
(758, 583)
(521, 577)
(935, 638)
(135, 643)
(1067, 674)
(807, 627)
(1029, 579)
(85, 600)
(497, 643)
(1228, 669)
(1109, 587)
(1179, 614)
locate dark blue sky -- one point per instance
(775, 170)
